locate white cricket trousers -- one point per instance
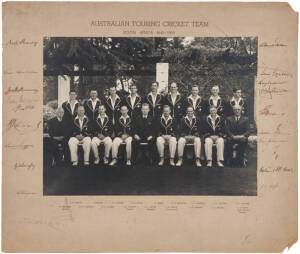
(197, 146)
(160, 142)
(220, 148)
(107, 146)
(116, 144)
(86, 145)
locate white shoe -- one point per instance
(86, 163)
(97, 160)
(75, 163)
(198, 163)
(172, 162)
(209, 164)
(220, 164)
(128, 163)
(113, 162)
(105, 160)
(179, 163)
(161, 162)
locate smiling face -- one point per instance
(93, 94)
(133, 89)
(72, 96)
(124, 111)
(195, 90)
(80, 111)
(145, 109)
(166, 112)
(190, 112)
(101, 110)
(173, 88)
(112, 91)
(154, 87)
(213, 111)
(238, 94)
(215, 90)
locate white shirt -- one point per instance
(174, 98)
(73, 106)
(113, 102)
(237, 118)
(94, 102)
(102, 118)
(166, 120)
(81, 121)
(132, 99)
(194, 100)
(215, 100)
(213, 121)
(153, 97)
(190, 120)
(124, 118)
(237, 101)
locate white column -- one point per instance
(63, 88)
(162, 76)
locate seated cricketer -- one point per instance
(166, 133)
(214, 132)
(237, 131)
(144, 130)
(80, 135)
(102, 133)
(58, 135)
(189, 133)
(124, 131)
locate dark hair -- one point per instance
(145, 104)
(236, 89)
(155, 82)
(72, 91)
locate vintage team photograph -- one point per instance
(149, 116)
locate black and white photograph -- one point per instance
(149, 116)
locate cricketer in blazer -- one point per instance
(91, 112)
(190, 129)
(106, 129)
(209, 130)
(155, 107)
(124, 127)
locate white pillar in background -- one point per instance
(63, 87)
(162, 76)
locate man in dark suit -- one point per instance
(133, 102)
(176, 102)
(102, 133)
(237, 127)
(112, 104)
(70, 108)
(124, 132)
(166, 133)
(155, 100)
(58, 136)
(190, 131)
(80, 135)
(144, 130)
(91, 106)
(214, 133)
